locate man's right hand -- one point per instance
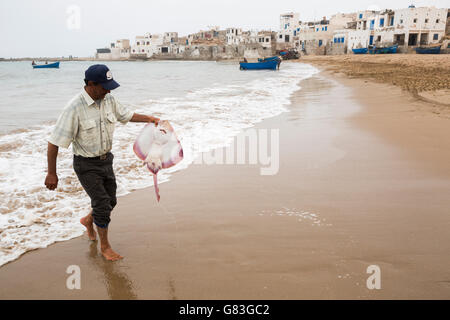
(51, 181)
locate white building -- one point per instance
(120, 49)
(289, 26)
(147, 45)
(408, 27)
(170, 37)
(419, 26)
(234, 36)
(264, 38)
(103, 54)
(365, 29)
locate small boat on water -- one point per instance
(360, 51)
(429, 50)
(265, 64)
(268, 59)
(50, 65)
(380, 50)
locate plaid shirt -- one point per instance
(87, 126)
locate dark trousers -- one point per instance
(98, 180)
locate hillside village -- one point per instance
(408, 28)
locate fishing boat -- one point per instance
(360, 51)
(428, 50)
(50, 65)
(268, 64)
(378, 50)
(268, 59)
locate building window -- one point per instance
(335, 40)
(382, 22)
(426, 20)
(436, 36)
(360, 15)
(379, 38)
(372, 24)
(342, 39)
(401, 20)
(281, 36)
(415, 20)
(317, 29)
(437, 20)
(320, 43)
(137, 43)
(326, 28)
(392, 21)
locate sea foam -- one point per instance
(33, 217)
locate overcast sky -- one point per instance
(39, 28)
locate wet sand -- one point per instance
(364, 179)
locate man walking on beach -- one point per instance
(88, 123)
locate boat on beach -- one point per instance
(380, 50)
(49, 65)
(429, 50)
(360, 50)
(261, 65)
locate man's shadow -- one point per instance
(118, 285)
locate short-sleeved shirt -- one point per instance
(89, 126)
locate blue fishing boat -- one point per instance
(269, 64)
(268, 59)
(379, 50)
(428, 50)
(360, 51)
(50, 65)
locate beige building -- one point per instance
(118, 50)
(313, 37)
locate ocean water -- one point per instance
(207, 103)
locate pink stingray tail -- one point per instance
(155, 183)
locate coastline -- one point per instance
(356, 183)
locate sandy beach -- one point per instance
(425, 76)
(364, 179)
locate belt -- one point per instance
(102, 157)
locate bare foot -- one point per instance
(110, 255)
(88, 223)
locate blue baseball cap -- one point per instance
(100, 73)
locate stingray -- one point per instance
(159, 147)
